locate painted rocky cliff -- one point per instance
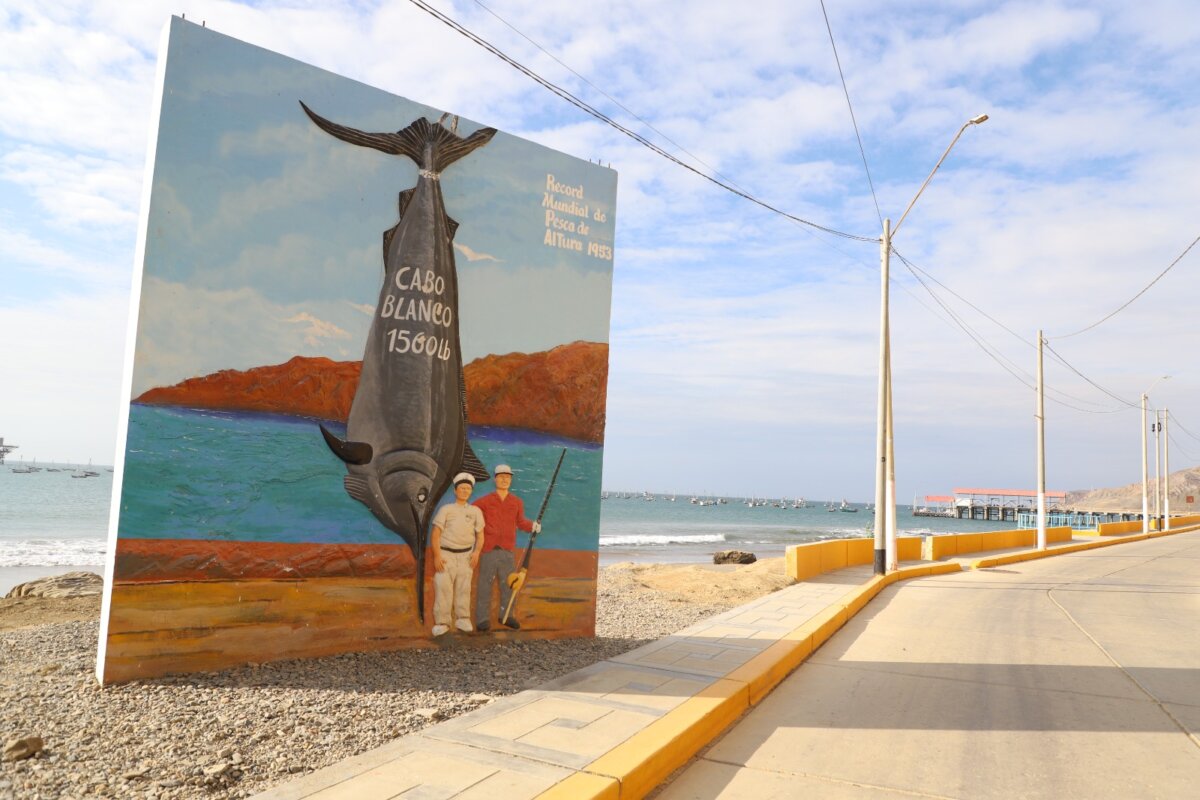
(559, 391)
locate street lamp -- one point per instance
(1145, 458)
(885, 474)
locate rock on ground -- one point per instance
(734, 557)
(70, 584)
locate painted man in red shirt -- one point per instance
(503, 513)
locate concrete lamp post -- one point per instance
(885, 474)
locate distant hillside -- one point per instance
(1129, 498)
(559, 391)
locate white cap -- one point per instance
(464, 476)
(503, 469)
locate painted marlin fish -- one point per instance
(407, 432)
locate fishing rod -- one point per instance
(517, 579)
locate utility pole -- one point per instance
(890, 520)
(1041, 451)
(881, 472)
(1157, 473)
(1145, 482)
(884, 470)
(1167, 468)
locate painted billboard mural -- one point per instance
(367, 385)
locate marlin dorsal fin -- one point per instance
(388, 235)
(405, 198)
(471, 464)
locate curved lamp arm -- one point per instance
(973, 121)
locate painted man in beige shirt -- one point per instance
(456, 543)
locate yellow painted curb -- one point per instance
(583, 786)
(645, 759)
(763, 673)
(1030, 555)
(856, 600)
(634, 768)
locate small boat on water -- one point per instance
(85, 473)
(847, 507)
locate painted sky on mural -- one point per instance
(743, 345)
(265, 232)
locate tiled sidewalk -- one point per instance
(616, 728)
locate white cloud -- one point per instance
(315, 330)
(472, 255)
(19, 248)
(76, 191)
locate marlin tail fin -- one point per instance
(431, 145)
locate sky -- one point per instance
(744, 346)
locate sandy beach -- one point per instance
(233, 733)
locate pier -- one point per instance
(1013, 505)
(5, 449)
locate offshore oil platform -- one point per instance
(5, 449)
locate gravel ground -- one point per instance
(234, 733)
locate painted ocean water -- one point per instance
(270, 478)
(260, 477)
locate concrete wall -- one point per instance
(939, 547)
(814, 558)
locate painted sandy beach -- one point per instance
(201, 606)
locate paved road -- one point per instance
(1076, 676)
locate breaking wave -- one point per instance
(52, 552)
(637, 539)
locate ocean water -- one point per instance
(259, 477)
(634, 529)
(51, 519)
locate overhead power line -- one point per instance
(1054, 356)
(1092, 382)
(610, 98)
(1023, 377)
(727, 184)
(1181, 448)
(1136, 296)
(979, 310)
(637, 137)
(1176, 423)
(853, 121)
